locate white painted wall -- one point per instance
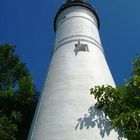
(66, 108)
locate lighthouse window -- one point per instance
(64, 17)
(80, 47)
(83, 47)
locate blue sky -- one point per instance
(28, 24)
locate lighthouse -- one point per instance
(66, 110)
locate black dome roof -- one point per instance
(70, 3)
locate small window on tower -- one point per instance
(64, 17)
(80, 47)
(83, 47)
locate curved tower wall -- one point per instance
(66, 109)
(78, 23)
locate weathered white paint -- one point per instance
(66, 108)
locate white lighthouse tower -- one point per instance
(66, 110)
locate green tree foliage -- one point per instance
(122, 104)
(17, 103)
